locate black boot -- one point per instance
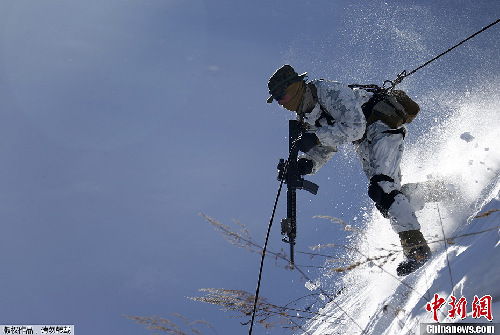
(416, 251)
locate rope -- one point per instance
(404, 74)
(262, 259)
(257, 291)
(389, 85)
(446, 249)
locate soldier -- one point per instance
(333, 114)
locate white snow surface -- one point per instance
(463, 151)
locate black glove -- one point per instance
(307, 142)
(305, 166)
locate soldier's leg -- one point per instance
(385, 147)
(385, 152)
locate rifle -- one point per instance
(289, 173)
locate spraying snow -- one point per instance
(463, 153)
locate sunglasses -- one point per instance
(279, 95)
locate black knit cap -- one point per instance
(283, 77)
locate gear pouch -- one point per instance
(393, 109)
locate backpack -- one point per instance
(394, 109)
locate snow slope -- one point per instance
(462, 152)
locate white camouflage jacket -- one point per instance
(349, 124)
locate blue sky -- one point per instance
(121, 121)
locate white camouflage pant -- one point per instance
(380, 154)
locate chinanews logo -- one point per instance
(481, 307)
(457, 309)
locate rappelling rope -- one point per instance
(403, 74)
(390, 84)
(263, 255)
(268, 232)
(446, 249)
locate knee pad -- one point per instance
(383, 201)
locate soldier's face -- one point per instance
(285, 99)
(289, 94)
